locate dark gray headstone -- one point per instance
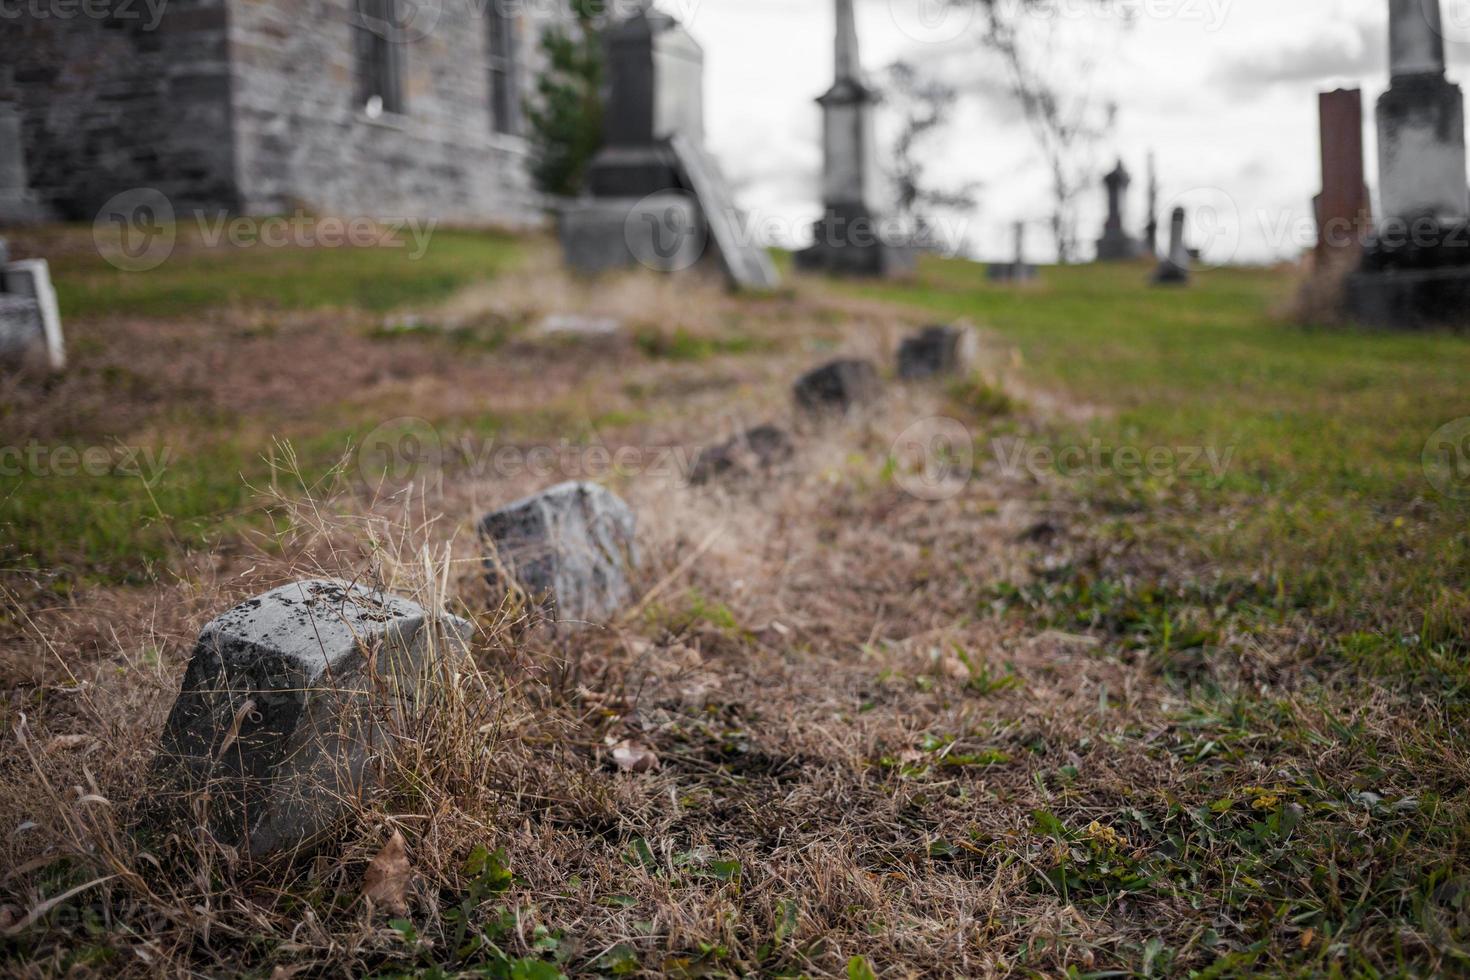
(664, 232)
(839, 386)
(21, 328)
(1174, 269)
(279, 719)
(18, 203)
(569, 549)
(934, 351)
(655, 91)
(1116, 245)
(13, 179)
(758, 450)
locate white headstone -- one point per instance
(29, 282)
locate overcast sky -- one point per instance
(1223, 91)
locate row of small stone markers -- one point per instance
(281, 723)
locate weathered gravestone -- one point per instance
(1151, 226)
(755, 451)
(30, 317)
(281, 720)
(1018, 270)
(1174, 269)
(658, 197)
(1416, 266)
(1116, 245)
(839, 387)
(18, 203)
(849, 238)
(935, 350)
(1344, 215)
(569, 549)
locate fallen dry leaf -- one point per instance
(64, 742)
(388, 877)
(634, 758)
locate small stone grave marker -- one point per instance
(936, 350)
(1174, 270)
(757, 450)
(839, 386)
(569, 548)
(280, 718)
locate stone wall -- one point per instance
(304, 139)
(137, 97)
(252, 106)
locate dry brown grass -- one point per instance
(838, 707)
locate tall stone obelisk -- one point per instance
(848, 239)
(1416, 267)
(1421, 122)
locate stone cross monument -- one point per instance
(1116, 244)
(1421, 121)
(1416, 266)
(848, 237)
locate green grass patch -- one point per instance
(198, 277)
(1289, 452)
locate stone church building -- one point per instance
(375, 108)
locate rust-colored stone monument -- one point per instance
(1344, 215)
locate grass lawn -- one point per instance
(1325, 506)
(1186, 697)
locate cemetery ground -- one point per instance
(1087, 715)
